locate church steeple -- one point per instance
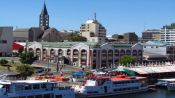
(44, 18)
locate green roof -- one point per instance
(70, 44)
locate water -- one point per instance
(160, 93)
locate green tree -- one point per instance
(127, 59)
(3, 61)
(27, 58)
(75, 37)
(25, 70)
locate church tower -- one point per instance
(44, 18)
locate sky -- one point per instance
(118, 16)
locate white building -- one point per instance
(6, 40)
(93, 31)
(168, 33)
(87, 54)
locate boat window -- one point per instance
(58, 96)
(38, 96)
(43, 85)
(22, 97)
(19, 87)
(30, 97)
(36, 86)
(47, 96)
(28, 87)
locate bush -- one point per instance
(127, 59)
(27, 58)
(25, 70)
(3, 61)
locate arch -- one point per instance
(52, 51)
(60, 52)
(128, 52)
(68, 52)
(94, 53)
(110, 53)
(116, 53)
(104, 53)
(38, 53)
(75, 52)
(134, 52)
(84, 57)
(31, 50)
(122, 52)
(75, 57)
(140, 52)
(44, 54)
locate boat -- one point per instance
(101, 86)
(166, 83)
(34, 89)
(171, 86)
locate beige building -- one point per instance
(85, 54)
(151, 35)
(93, 31)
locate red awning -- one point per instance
(17, 46)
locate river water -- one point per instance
(159, 93)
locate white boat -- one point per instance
(171, 86)
(34, 89)
(106, 86)
(165, 82)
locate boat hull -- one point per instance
(110, 94)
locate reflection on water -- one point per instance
(160, 93)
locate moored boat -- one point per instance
(100, 86)
(34, 89)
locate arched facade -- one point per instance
(84, 55)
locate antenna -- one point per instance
(95, 16)
(144, 26)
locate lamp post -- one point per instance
(48, 58)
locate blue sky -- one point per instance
(118, 16)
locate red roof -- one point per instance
(17, 46)
(123, 77)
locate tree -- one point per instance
(75, 37)
(3, 61)
(25, 70)
(27, 58)
(127, 59)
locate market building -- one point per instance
(84, 54)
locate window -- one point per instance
(43, 85)
(30, 97)
(58, 96)
(28, 87)
(3, 41)
(22, 97)
(36, 86)
(38, 96)
(47, 96)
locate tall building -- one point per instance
(44, 18)
(151, 35)
(130, 37)
(168, 33)
(93, 31)
(6, 40)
